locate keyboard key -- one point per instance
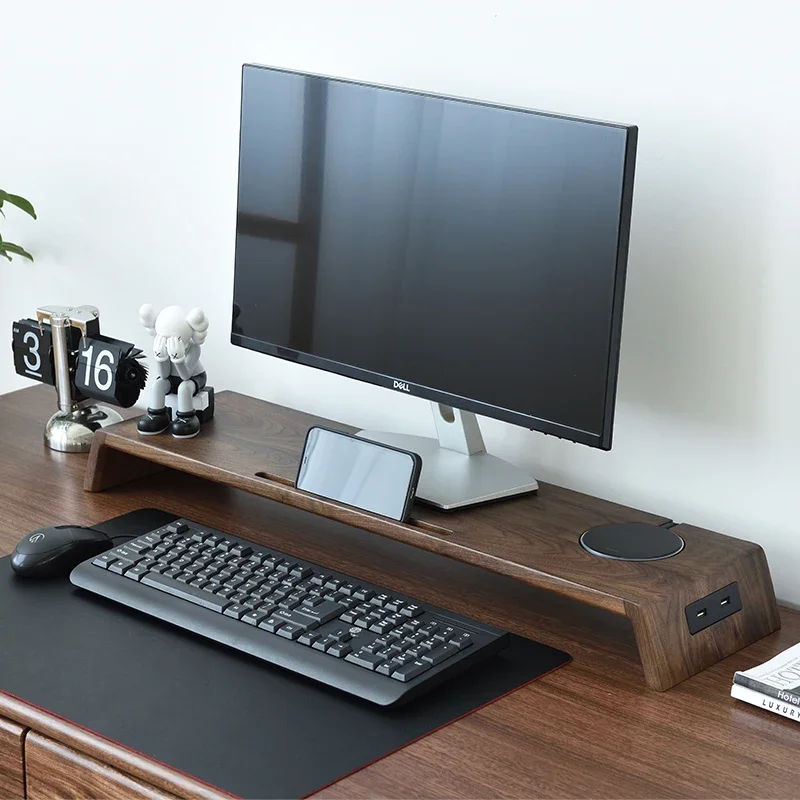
(206, 573)
(348, 588)
(301, 572)
(301, 621)
(199, 536)
(363, 594)
(271, 624)
(319, 578)
(428, 627)
(290, 631)
(104, 560)
(136, 573)
(241, 550)
(388, 653)
(417, 651)
(120, 565)
(380, 599)
(365, 659)
(410, 671)
(125, 552)
(394, 604)
(236, 610)
(440, 653)
(308, 638)
(349, 617)
(151, 538)
(446, 633)
(177, 527)
(137, 546)
(410, 610)
(380, 627)
(394, 620)
(341, 634)
(461, 640)
(323, 612)
(198, 583)
(190, 593)
(339, 650)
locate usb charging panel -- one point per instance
(713, 608)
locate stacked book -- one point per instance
(774, 685)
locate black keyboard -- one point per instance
(379, 645)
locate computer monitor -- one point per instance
(467, 253)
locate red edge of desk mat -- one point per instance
(310, 794)
(119, 744)
(436, 730)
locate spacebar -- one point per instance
(190, 593)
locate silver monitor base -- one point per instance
(455, 478)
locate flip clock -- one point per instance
(63, 347)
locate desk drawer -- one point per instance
(54, 770)
(12, 779)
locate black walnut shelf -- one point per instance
(255, 446)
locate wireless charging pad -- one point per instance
(632, 541)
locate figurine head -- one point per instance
(191, 326)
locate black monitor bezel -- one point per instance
(600, 440)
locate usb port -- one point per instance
(713, 608)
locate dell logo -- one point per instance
(402, 386)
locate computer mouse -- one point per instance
(52, 551)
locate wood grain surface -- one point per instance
(53, 770)
(256, 446)
(591, 729)
(12, 770)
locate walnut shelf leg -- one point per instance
(109, 467)
(670, 653)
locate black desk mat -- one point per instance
(218, 715)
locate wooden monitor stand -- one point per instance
(256, 446)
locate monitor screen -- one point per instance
(468, 253)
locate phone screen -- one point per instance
(358, 472)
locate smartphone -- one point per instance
(359, 473)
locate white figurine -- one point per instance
(178, 376)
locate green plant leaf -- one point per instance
(8, 247)
(20, 202)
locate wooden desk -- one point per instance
(589, 730)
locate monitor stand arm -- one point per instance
(456, 469)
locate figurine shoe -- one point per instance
(153, 422)
(185, 425)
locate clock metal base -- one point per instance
(73, 431)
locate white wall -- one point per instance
(120, 122)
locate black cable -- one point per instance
(114, 538)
